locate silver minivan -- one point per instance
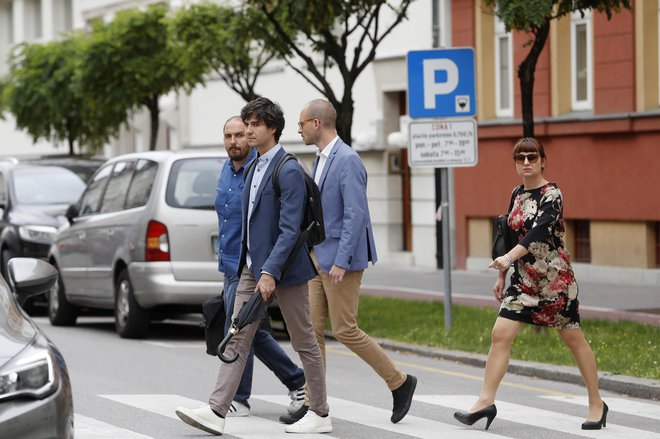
(140, 241)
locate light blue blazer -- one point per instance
(349, 239)
(275, 225)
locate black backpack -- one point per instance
(313, 230)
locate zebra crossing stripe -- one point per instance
(380, 418)
(250, 427)
(539, 418)
(89, 428)
(618, 405)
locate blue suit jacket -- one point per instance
(349, 240)
(275, 225)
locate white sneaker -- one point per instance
(311, 423)
(297, 400)
(202, 418)
(238, 410)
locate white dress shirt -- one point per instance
(323, 157)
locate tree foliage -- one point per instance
(534, 17)
(44, 99)
(130, 62)
(333, 34)
(224, 40)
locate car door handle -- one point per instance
(82, 235)
(110, 232)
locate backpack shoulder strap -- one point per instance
(276, 172)
(248, 168)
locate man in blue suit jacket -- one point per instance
(271, 226)
(346, 251)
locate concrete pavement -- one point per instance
(604, 300)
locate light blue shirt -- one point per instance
(260, 169)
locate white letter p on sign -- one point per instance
(432, 88)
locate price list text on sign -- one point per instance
(443, 144)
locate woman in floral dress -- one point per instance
(543, 290)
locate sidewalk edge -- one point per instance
(632, 386)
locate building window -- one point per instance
(6, 34)
(582, 241)
(62, 16)
(503, 71)
(33, 28)
(581, 61)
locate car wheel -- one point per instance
(60, 311)
(131, 320)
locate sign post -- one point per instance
(441, 85)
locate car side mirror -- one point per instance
(71, 212)
(30, 277)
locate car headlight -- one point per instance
(29, 374)
(41, 234)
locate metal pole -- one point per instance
(444, 198)
(446, 248)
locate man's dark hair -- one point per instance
(265, 111)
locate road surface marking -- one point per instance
(540, 418)
(380, 418)
(620, 405)
(89, 428)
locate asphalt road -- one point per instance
(130, 388)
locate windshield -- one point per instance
(46, 185)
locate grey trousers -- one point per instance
(294, 304)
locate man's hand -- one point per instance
(336, 274)
(265, 286)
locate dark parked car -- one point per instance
(34, 196)
(35, 391)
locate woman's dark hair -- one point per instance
(529, 144)
(265, 111)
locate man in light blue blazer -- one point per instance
(271, 226)
(346, 251)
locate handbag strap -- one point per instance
(514, 194)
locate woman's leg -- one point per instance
(504, 332)
(586, 362)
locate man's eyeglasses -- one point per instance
(302, 122)
(532, 157)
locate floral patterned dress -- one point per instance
(543, 290)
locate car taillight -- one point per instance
(157, 245)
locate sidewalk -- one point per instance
(610, 301)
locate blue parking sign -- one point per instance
(441, 83)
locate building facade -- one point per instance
(596, 106)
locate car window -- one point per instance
(192, 183)
(89, 203)
(143, 181)
(115, 192)
(46, 185)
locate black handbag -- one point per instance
(213, 311)
(502, 239)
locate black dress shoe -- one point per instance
(597, 425)
(468, 418)
(295, 416)
(403, 398)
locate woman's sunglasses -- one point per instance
(532, 157)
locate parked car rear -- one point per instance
(140, 241)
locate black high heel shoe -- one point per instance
(597, 425)
(468, 418)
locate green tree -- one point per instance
(130, 62)
(221, 39)
(333, 34)
(534, 17)
(44, 99)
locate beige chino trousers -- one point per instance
(340, 302)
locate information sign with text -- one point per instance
(443, 143)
